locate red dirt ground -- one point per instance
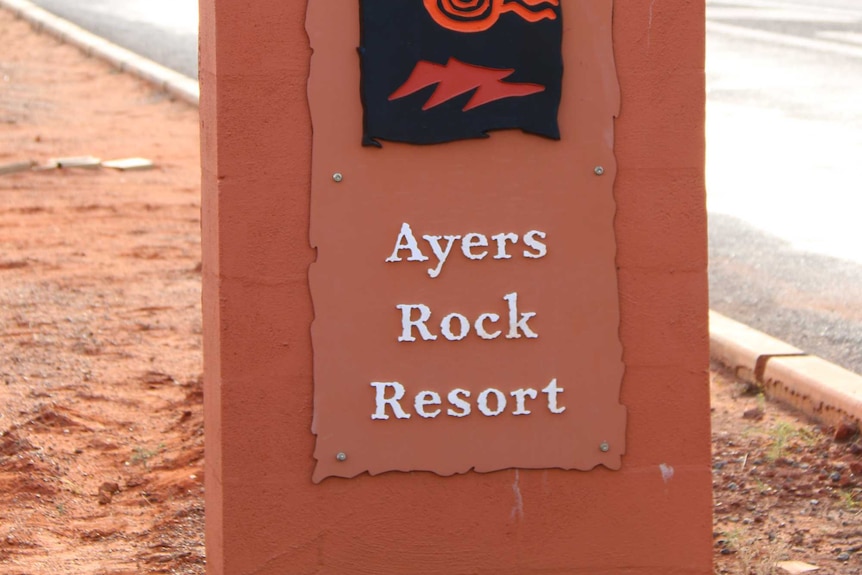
(784, 488)
(101, 434)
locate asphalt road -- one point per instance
(165, 31)
(784, 166)
(784, 171)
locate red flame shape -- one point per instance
(456, 78)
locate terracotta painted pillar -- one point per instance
(594, 458)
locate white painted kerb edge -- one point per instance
(178, 85)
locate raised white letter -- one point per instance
(459, 403)
(501, 245)
(406, 241)
(474, 241)
(520, 396)
(540, 247)
(483, 402)
(446, 327)
(424, 398)
(552, 390)
(407, 323)
(440, 253)
(515, 323)
(480, 326)
(382, 401)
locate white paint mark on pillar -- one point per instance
(518, 508)
(666, 472)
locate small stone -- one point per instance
(845, 432)
(754, 414)
(732, 486)
(726, 551)
(107, 491)
(844, 556)
(835, 476)
(796, 567)
(110, 487)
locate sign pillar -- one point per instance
(455, 311)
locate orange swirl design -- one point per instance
(479, 15)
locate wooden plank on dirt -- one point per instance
(15, 167)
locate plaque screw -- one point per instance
(337, 177)
(341, 456)
(605, 447)
(599, 170)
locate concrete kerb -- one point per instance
(820, 389)
(176, 84)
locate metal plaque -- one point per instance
(465, 288)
